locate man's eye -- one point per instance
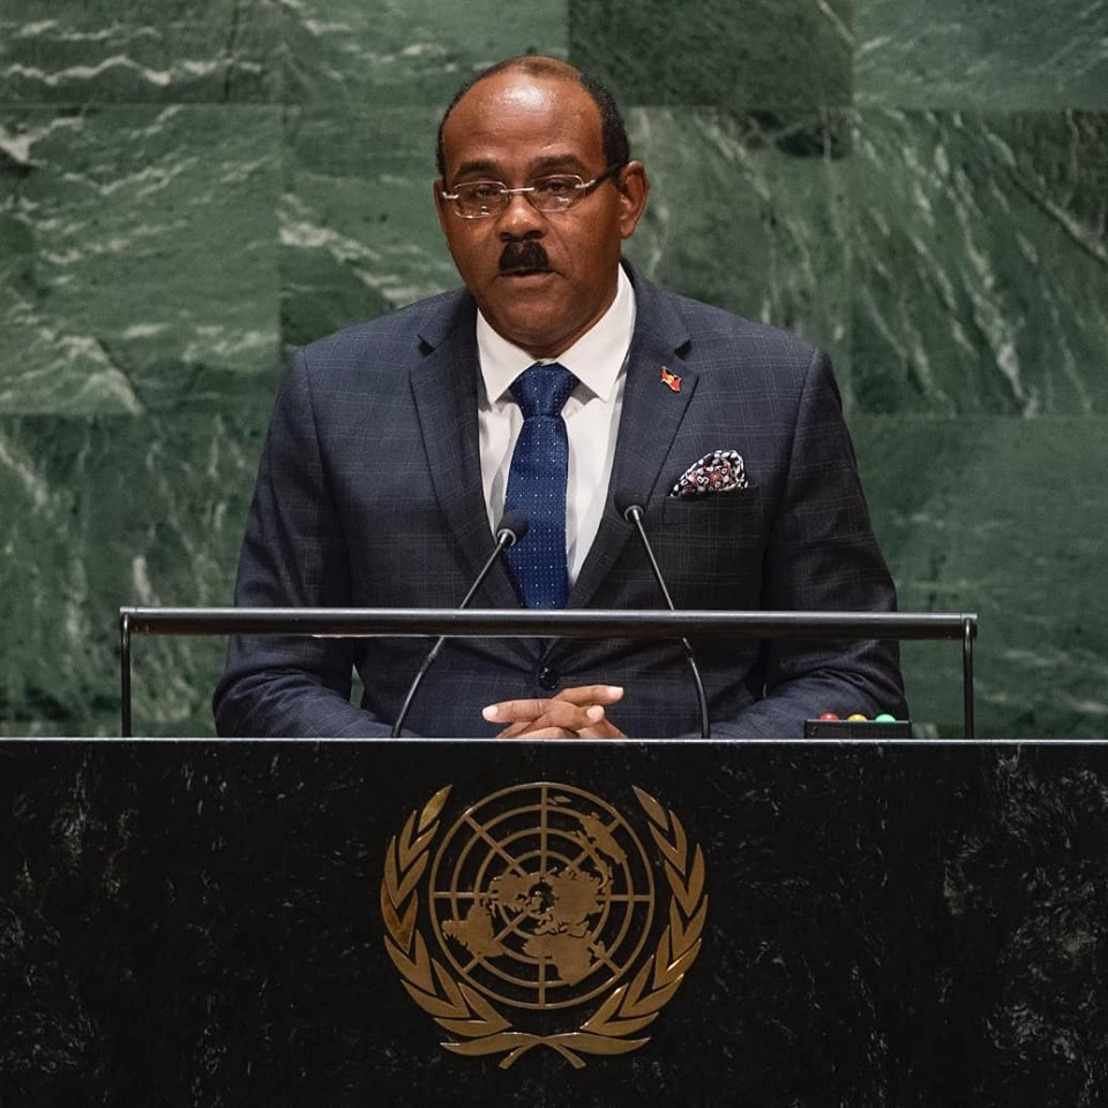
(483, 190)
(556, 186)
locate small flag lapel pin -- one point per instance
(671, 379)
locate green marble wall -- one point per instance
(920, 186)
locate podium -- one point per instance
(816, 923)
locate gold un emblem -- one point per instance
(540, 900)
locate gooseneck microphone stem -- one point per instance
(633, 513)
(513, 526)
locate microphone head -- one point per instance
(627, 505)
(512, 527)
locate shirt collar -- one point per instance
(595, 359)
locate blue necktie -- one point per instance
(537, 485)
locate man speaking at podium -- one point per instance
(563, 389)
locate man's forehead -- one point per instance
(526, 91)
(510, 106)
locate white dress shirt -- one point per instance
(597, 359)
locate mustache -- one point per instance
(527, 255)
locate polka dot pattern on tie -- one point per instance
(537, 485)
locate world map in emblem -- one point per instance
(541, 896)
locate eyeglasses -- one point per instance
(556, 193)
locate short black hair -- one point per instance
(613, 131)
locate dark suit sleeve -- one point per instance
(294, 555)
(822, 556)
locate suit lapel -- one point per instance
(444, 388)
(652, 412)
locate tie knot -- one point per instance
(542, 390)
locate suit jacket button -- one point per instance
(548, 678)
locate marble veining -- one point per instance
(790, 54)
(384, 53)
(990, 54)
(73, 51)
(981, 268)
(142, 273)
(106, 512)
(1005, 518)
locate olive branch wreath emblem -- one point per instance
(478, 1028)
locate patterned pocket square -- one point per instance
(720, 471)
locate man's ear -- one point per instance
(634, 185)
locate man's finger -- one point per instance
(514, 711)
(545, 733)
(559, 714)
(515, 731)
(517, 711)
(599, 726)
(566, 721)
(569, 717)
(591, 694)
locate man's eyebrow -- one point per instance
(557, 161)
(477, 165)
(493, 169)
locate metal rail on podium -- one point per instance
(580, 624)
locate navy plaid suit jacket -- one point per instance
(369, 494)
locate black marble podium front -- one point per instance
(200, 923)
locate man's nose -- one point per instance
(520, 219)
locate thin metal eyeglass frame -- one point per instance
(504, 196)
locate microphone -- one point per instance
(512, 527)
(633, 513)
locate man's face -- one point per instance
(541, 279)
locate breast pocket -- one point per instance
(710, 548)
